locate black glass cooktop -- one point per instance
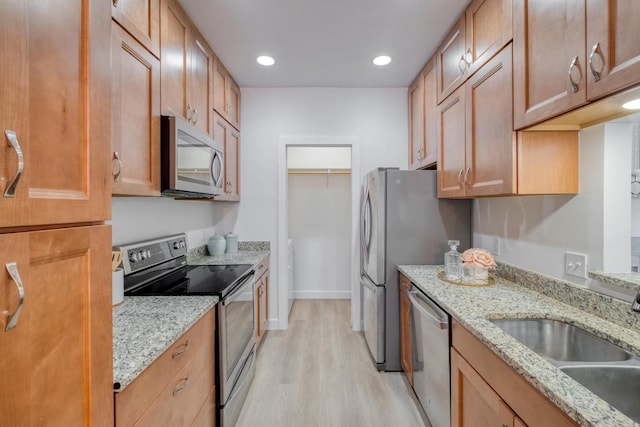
(195, 280)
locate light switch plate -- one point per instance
(575, 264)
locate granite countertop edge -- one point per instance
(200, 256)
(144, 327)
(623, 280)
(473, 306)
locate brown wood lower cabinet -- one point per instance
(486, 391)
(406, 341)
(178, 389)
(262, 300)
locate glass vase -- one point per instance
(476, 275)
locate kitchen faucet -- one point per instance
(635, 305)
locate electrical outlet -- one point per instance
(496, 246)
(575, 264)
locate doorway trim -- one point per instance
(283, 220)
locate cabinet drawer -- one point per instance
(182, 398)
(262, 266)
(136, 398)
(207, 415)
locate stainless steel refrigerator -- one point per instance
(401, 222)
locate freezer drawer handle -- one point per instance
(442, 323)
(12, 321)
(12, 141)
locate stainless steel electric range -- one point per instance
(159, 267)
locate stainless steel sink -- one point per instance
(560, 341)
(618, 385)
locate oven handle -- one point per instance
(239, 288)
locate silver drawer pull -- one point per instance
(12, 321)
(462, 65)
(574, 84)
(12, 141)
(116, 175)
(183, 384)
(596, 51)
(184, 347)
(460, 177)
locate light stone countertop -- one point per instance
(251, 255)
(472, 306)
(144, 327)
(623, 280)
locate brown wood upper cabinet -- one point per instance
(613, 46)
(57, 361)
(485, 157)
(481, 32)
(229, 137)
(422, 118)
(135, 123)
(226, 95)
(569, 52)
(55, 115)
(141, 19)
(186, 69)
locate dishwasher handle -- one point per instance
(430, 310)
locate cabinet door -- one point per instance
(430, 152)
(489, 27)
(175, 60)
(233, 95)
(55, 64)
(416, 122)
(450, 59)
(135, 125)
(406, 344)
(225, 134)
(451, 145)
(490, 139)
(141, 19)
(473, 402)
(613, 46)
(549, 59)
(60, 349)
(258, 286)
(220, 88)
(201, 81)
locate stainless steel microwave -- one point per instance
(192, 161)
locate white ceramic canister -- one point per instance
(216, 245)
(232, 243)
(117, 284)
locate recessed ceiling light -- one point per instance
(382, 60)
(632, 105)
(265, 60)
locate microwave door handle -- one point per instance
(216, 179)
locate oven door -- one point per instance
(237, 333)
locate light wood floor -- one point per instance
(319, 373)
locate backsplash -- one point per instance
(603, 306)
(254, 246)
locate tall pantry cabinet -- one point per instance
(55, 185)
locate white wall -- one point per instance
(378, 117)
(536, 231)
(320, 225)
(141, 218)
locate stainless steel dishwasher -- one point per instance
(431, 369)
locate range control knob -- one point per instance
(143, 254)
(148, 252)
(133, 257)
(176, 244)
(183, 244)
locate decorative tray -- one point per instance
(490, 282)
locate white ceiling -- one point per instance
(324, 43)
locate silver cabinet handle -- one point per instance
(12, 321)
(460, 177)
(184, 347)
(189, 110)
(12, 141)
(116, 157)
(195, 116)
(574, 84)
(596, 51)
(468, 58)
(466, 178)
(115, 3)
(183, 384)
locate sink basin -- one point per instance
(561, 341)
(617, 385)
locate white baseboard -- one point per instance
(322, 294)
